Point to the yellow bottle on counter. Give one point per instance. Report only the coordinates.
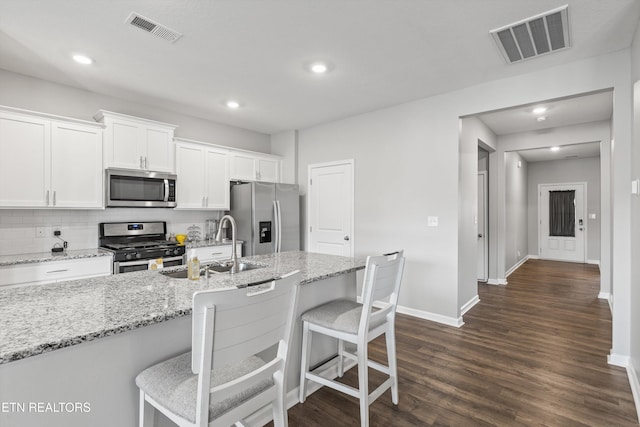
(193, 266)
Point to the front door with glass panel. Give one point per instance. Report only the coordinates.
(562, 222)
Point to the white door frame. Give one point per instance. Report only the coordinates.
(584, 213)
(485, 226)
(350, 162)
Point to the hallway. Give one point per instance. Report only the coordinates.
(533, 352)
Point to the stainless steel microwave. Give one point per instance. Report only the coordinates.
(140, 189)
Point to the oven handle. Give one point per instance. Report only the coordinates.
(144, 261)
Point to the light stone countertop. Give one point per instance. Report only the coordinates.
(35, 319)
(6, 260)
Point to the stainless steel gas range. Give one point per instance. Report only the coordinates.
(134, 244)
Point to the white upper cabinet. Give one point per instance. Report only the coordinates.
(247, 166)
(136, 143)
(49, 162)
(203, 176)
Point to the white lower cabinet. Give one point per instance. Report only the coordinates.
(55, 271)
(215, 253)
(203, 177)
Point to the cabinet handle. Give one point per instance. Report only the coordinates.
(54, 197)
(47, 198)
(216, 253)
(146, 166)
(203, 201)
(57, 271)
(141, 163)
(206, 201)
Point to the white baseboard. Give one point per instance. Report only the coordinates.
(594, 262)
(445, 320)
(635, 388)
(619, 360)
(604, 295)
(533, 257)
(466, 307)
(500, 282)
(516, 266)
(438, 318)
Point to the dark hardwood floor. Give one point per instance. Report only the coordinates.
(533, 352)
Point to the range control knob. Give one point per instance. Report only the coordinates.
(167, 252)
(128, 256)
(176, 251)
(138, 256)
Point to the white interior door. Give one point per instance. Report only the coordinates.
(483, 247)
(330, 214)
(562, 223)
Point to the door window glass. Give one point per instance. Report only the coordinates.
(562, 213)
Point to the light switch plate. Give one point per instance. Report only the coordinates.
(432, 221)
(592, 216)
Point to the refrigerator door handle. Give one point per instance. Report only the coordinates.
(276, 220)
(279, 230)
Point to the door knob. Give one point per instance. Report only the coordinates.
(479, 236)
(346, 237)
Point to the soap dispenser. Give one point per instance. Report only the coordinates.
(193, 266)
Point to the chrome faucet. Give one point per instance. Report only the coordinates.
(234, 255)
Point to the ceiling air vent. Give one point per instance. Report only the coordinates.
(153, 27)
(535, 36)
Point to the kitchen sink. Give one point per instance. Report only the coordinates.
(242, 266)
(215, 269)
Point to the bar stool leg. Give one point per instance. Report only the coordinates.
(340, 358)
(363, 383)
(390, 337)
(304, 368)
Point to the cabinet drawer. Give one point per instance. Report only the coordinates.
(55, 271)
(218, 253)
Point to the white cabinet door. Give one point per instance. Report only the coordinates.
(243, 167)
(122, 145)
(136, 143)
(253, 167)
(203, 177)
(216, 179)
(268, 169)
(25, 162)
(76, 166)
(190, 192)
(158, 149)
(207, 254)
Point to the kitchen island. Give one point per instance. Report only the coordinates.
(69, 351)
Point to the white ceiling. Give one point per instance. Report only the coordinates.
(384, 52)
(589, 149)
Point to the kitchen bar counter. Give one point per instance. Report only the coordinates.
(6, 260)
(35, 319)
(71, 350)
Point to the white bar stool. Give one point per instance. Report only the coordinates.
(359, 324)
(222, 380)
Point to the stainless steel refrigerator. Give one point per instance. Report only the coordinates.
(267, 217)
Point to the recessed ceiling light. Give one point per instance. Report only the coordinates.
(555, 148)
(319, 67)
(541, 118)
(539, 110)
(82, 59)
(232, 104)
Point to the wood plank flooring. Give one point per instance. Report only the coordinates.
(532, 353)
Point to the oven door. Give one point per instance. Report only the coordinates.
(143, 264)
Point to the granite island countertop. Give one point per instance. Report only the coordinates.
(36, 319)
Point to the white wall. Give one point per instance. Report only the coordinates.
(472, 133)
(285, 144)
(634, 318)
(17, 90)
(560, 171)
(407, 164)
(516, 236)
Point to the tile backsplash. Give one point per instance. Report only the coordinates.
(18, 227)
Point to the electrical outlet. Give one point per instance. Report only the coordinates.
(432, 221)
(57, 233)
